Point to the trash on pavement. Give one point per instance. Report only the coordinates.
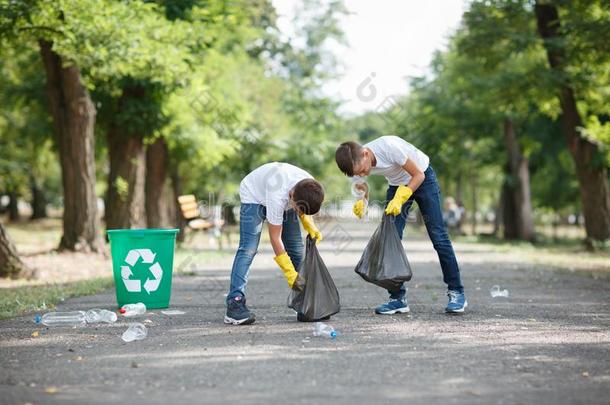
(133, 309)
(136, 331)
(71, 318)
(172, 312)
(100, 315)
(323, 330)
(496, 292)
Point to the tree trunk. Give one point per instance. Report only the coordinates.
(508, 211)
(13, 206)
(499, 215)
(179, 223)
(39, 201)
(125, 194)
(73, 121)
(592, 176)
(518, 189)
(10, 264)
(156, 176)
(459, 192)
(228, 215)
(473, 219)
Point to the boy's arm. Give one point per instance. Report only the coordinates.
(282, 259)
(403, 193)
(275, 235)
(417, 176)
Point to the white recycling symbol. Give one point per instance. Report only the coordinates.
(148, 257)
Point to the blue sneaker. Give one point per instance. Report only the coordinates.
(457, 302)
(393, 307)
(238, 313)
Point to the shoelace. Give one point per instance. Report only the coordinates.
(234, 304)
(453, 297)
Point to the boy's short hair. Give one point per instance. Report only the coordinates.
(348, 154)
(308, 195)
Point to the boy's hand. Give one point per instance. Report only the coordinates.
(403, 193)
(358, 208)
(311, 227)
(292, 277)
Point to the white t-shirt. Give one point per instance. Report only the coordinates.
(391, 153)
(269, 185)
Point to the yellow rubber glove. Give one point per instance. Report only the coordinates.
(403, 193)
(358, 208)
(311, 227)
(292, 277)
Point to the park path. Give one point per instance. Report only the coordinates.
(549, 342)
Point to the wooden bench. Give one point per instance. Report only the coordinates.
(195, 221)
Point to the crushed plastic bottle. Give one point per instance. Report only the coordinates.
(324, 330)
(100, 315)
(71, 318)
(172, 312)
(136, 331)
(133, 309)
(496, 292)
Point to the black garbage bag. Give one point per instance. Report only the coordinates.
(319, 298)
(384, 261)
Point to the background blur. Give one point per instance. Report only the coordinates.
(111, 110)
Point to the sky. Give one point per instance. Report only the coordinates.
(389, 40)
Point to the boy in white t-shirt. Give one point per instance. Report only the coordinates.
(410, 178)
(282, 194)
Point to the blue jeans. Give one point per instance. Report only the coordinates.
(251, 218)
(428, 198)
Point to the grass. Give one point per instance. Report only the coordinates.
(28, 299)
(568, 254)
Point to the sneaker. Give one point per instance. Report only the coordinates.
(238, 313)
(393, 307)
(301, 318)
(457, 302)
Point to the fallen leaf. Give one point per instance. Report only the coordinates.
(35, 333)
(51, 390)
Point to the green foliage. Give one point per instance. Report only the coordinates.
(495, 68)
(25, 127)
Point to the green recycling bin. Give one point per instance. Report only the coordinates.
(142, 262)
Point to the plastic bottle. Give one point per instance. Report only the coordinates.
(360, 195)
(71, 318)
(100, 315)
(136, 331)
(496, 292)
(133, 309)
(322, 329)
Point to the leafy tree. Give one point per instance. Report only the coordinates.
(587, 23)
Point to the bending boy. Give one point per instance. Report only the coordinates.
(410, 178)
(283, 194)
